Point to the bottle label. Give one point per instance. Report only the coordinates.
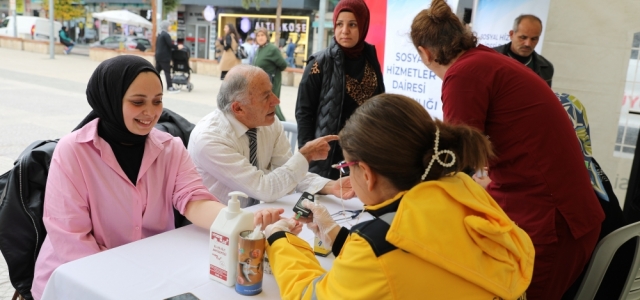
(219, 253)
(250, 264)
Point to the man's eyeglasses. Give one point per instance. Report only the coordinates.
(343, 166)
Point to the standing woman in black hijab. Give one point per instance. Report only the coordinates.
(336, 81)
(116, 179)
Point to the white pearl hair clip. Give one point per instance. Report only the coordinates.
(436, 156)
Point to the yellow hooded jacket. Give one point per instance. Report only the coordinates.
(448, 239)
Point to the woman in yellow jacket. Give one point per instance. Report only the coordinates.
(436, 234)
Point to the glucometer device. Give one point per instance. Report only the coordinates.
(299, 209)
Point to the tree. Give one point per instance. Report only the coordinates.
(169, 6)
(64, 10)
(247, 3)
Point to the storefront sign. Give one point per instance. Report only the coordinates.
(294, 27)
(20, 6)
(286, 26)
(146, 13)
(248, 23)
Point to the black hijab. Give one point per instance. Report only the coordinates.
(105, 93)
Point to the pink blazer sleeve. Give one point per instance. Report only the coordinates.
(188, 183)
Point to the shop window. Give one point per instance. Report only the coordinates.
(629, 123)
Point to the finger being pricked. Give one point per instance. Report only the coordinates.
(267, 216)
(297, 228)
(305, 220)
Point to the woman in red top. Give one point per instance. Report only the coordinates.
(538, 177)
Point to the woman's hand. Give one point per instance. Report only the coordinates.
(267, 216)
(288, 225)
(323, 224)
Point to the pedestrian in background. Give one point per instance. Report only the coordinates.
(269, 58)
(65, 40)
(336, 81)
(291, 53)
(164, 47)
(229, 44)
(249, 47)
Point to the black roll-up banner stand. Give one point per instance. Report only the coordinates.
(632, 199)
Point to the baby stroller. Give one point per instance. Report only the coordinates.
(180, 71)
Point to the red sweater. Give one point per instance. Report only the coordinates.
(539, 166)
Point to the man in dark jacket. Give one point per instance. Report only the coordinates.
(524, 38)
(164, 46)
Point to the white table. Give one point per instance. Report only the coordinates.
(166, 265)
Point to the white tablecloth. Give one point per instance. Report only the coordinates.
(166, 265)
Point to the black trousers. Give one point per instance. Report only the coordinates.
(166, 66)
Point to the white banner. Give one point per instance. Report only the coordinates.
(404, 73)
(494, 18)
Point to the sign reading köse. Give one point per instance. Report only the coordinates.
(285, 26)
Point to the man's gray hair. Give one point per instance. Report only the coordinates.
(164, 25)
(235, 86)
(519, 19)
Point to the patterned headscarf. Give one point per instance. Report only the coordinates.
(578, 116)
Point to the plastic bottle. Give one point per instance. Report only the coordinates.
(223, 240)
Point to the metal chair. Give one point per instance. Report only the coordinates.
(291, 131)
(601, 258)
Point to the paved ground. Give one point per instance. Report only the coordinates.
(41, 98)
(80, 50)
